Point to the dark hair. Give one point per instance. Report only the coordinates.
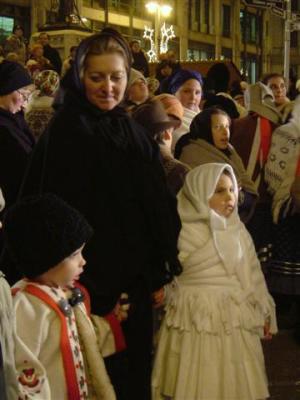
(201, 125)
(235, 88)
(72, 48)
(223, 103)
(217, 78)
(267, 77)
(200, 128)
(16, 27)
(161, 65)
(134, 41)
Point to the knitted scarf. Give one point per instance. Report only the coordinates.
(283, 162)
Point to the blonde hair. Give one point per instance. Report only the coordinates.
(35, 47)
(100, 46)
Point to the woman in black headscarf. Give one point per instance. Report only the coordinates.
(16, 140)
(208, 142)
(101, 162)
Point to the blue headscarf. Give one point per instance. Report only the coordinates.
(180, 77)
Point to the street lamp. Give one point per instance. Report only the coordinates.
(160, 10)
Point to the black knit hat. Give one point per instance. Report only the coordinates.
(41, 231)
(12, 77)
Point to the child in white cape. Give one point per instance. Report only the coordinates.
(219, 308)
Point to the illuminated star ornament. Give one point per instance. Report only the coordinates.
(166, 35)
(148, 34)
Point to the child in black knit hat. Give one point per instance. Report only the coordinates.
(45, 237)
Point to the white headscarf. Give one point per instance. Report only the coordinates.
(193, 206)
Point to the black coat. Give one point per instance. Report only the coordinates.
(16, 143)
(53, 56)
(120, 188)
(105, 166)
(140, 63)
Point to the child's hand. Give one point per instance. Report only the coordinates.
(122, 307)
(158, 297)
(267, 334)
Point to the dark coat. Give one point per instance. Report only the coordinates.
(104, 165)
(119, 187)
(140, 63)
(16, 143)
(53, 56)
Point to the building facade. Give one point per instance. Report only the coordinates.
(205, 29)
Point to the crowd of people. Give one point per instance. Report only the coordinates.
(136, 207)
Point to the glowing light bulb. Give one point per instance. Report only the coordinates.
(165, 10)
(152, 7)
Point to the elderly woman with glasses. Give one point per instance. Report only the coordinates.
(16, 141)
(102, 162)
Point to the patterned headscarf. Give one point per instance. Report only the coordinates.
(47, 82)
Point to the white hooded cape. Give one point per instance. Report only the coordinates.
(209, 345)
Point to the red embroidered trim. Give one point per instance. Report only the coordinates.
(117, 331)
(70, 373)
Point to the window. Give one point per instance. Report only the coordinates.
(226, 53)
(251, 65)
(206, 12)
(194, 19)
(197, 14)
(226, 16)
(251, 27)
(190, 14)
(6, 25)
(200, 51)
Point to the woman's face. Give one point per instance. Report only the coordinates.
(189, 94)
(135, 47)
(38, 51)
(15, 101)
(166, 71)
(278, 87)
(105, 80)
(220, 131)
(224, 199)
(138, 91)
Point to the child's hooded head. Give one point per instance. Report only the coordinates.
(195, 205)
(208, 187)
(41, 231)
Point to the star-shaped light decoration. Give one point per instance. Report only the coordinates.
(166, 35)
(148, 34)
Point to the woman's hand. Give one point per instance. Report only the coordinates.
(267, 334)
(122, 307)
(158, 297)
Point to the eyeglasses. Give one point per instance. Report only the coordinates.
(25, 95)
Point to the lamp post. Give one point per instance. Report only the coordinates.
(159, 10)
